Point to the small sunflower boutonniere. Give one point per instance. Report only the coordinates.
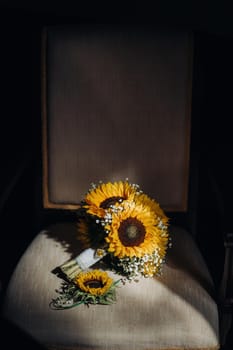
(89, 287)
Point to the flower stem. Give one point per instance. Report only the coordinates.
(71, 269)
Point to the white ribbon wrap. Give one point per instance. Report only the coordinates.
(89, 257)
(82, 262)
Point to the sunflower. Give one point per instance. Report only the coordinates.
(106, 195)
(90, 287)
(94, 282)
(134, 231)
(89, 232)
(83, 233)
(153, 206)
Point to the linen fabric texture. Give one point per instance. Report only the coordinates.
(174, 311)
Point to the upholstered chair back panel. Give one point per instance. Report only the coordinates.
(116, 105)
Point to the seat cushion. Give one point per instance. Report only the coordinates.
(173, 311)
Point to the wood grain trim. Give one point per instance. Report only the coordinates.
(46, 203)
(188, 110)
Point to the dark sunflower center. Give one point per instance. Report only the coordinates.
(110, 201)
(131, 232)
(94, 284)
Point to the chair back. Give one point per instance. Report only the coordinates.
(116, 104)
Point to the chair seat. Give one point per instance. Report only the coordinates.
(173, 311)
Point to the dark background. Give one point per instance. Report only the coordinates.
(21, 212)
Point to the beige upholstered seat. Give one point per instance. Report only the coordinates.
(174, 311)
(116, 105)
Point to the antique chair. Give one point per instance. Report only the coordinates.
(117, 104)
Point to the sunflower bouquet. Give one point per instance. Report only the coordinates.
(124, 228)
